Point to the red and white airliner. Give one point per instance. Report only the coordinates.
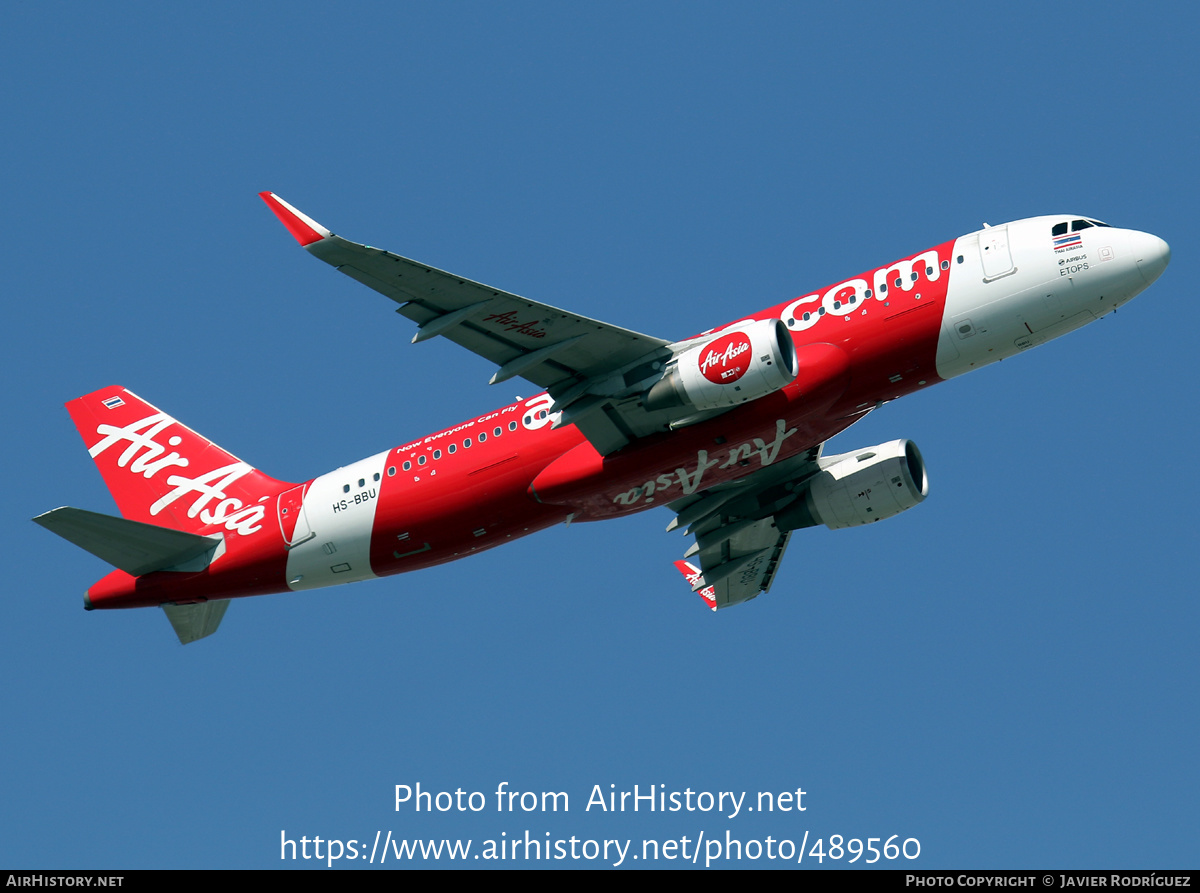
(725, 428)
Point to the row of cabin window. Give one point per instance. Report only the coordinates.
(453, 448)
(362, 482)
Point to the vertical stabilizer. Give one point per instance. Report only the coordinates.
(162, 472)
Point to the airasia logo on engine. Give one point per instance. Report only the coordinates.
(726, 359)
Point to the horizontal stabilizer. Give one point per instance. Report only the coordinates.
(132, 546)
(194, 622)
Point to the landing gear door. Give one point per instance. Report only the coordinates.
(995, 254)
(292, 520)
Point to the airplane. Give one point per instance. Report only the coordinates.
(726, 428)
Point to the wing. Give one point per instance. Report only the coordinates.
(595, 371)
(738, 542)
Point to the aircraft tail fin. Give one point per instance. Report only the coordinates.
(691, 573)
(163, 473)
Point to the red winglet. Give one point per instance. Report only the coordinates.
(304, 228)
(692, 574)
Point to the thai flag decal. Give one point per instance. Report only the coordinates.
(1067, 240)
(112, 402)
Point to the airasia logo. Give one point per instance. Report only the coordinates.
(720, 363)
(146, 456)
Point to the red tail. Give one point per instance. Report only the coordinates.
(161, 472)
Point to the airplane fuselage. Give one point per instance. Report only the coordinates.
(859, 343)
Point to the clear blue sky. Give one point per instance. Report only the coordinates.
(1007, 673)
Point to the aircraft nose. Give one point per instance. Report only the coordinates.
(1152, 255)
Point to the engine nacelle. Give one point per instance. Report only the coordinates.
(861, 487)
(730, 369)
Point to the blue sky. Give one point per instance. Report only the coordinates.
(1007, 673)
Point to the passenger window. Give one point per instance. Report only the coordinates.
(1060, 229)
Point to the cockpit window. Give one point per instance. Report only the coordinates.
(1077, 225)
(1097, 223)
(1060, 229)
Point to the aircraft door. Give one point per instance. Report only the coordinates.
(994, 253)
(292, 519)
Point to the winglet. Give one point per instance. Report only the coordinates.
(301, 226)
(692, 574)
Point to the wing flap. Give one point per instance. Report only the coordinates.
(738, 545)
(741, 566)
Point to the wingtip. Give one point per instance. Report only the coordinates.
(696, 579)
(303, 228)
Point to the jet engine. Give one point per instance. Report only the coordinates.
(861, 487)
(729, 369)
